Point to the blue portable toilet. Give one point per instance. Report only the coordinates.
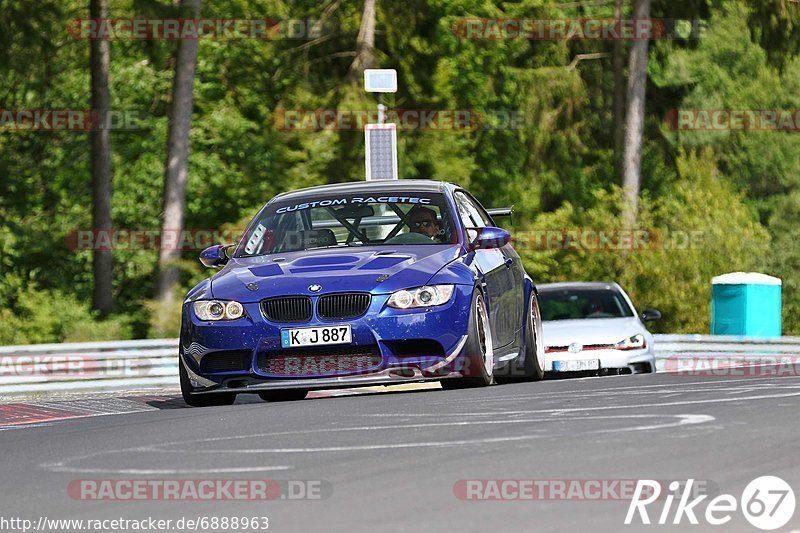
(746, 303)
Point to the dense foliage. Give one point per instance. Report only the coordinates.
(736, 193)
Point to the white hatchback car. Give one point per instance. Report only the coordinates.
(594, 327)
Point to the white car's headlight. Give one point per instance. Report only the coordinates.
(427, 296)
(636, 342)
(218, 310)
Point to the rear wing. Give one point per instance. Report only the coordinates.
(499, 212)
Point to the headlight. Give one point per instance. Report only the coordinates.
(636, 342)
(218, 310)
(427, 296)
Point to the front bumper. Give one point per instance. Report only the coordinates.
(385, 331)
(383, 377)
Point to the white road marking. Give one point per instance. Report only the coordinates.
(62, 465)
(611, 407)
(160, 448)
(26, 426)
(532, 416)
(366, 447)
(168, 471)
(635, 388)
(685, 420)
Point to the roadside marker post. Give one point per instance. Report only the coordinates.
(380, 139)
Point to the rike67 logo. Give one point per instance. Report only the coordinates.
(767, 502)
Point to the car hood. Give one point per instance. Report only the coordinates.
(379, 270)
(591, 331)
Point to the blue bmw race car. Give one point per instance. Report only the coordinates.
(367, 283)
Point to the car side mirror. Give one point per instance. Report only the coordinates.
(215, 256)
(650, 315)
(489, 238)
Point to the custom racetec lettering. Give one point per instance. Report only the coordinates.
(354, 200)
(309, 205)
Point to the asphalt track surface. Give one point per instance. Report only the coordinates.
(394, 461)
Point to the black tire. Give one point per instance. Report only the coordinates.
(201, 400)
(479, 353)
(529, 367)
(289, 395)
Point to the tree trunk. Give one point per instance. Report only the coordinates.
(618, 66)
(365, 45)
(100, 164)
(634, 127)
(180, 121)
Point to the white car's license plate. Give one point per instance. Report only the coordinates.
(316, 336)
(576, 366)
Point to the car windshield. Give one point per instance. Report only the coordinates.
(570, 304)
(385, 219)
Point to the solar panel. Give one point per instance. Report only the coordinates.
(380, 80)
(381, 151)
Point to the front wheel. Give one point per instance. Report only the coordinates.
(529, 366)
(201, 400)
(478, 363)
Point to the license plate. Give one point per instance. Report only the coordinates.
(576, 366)
(316, 336)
